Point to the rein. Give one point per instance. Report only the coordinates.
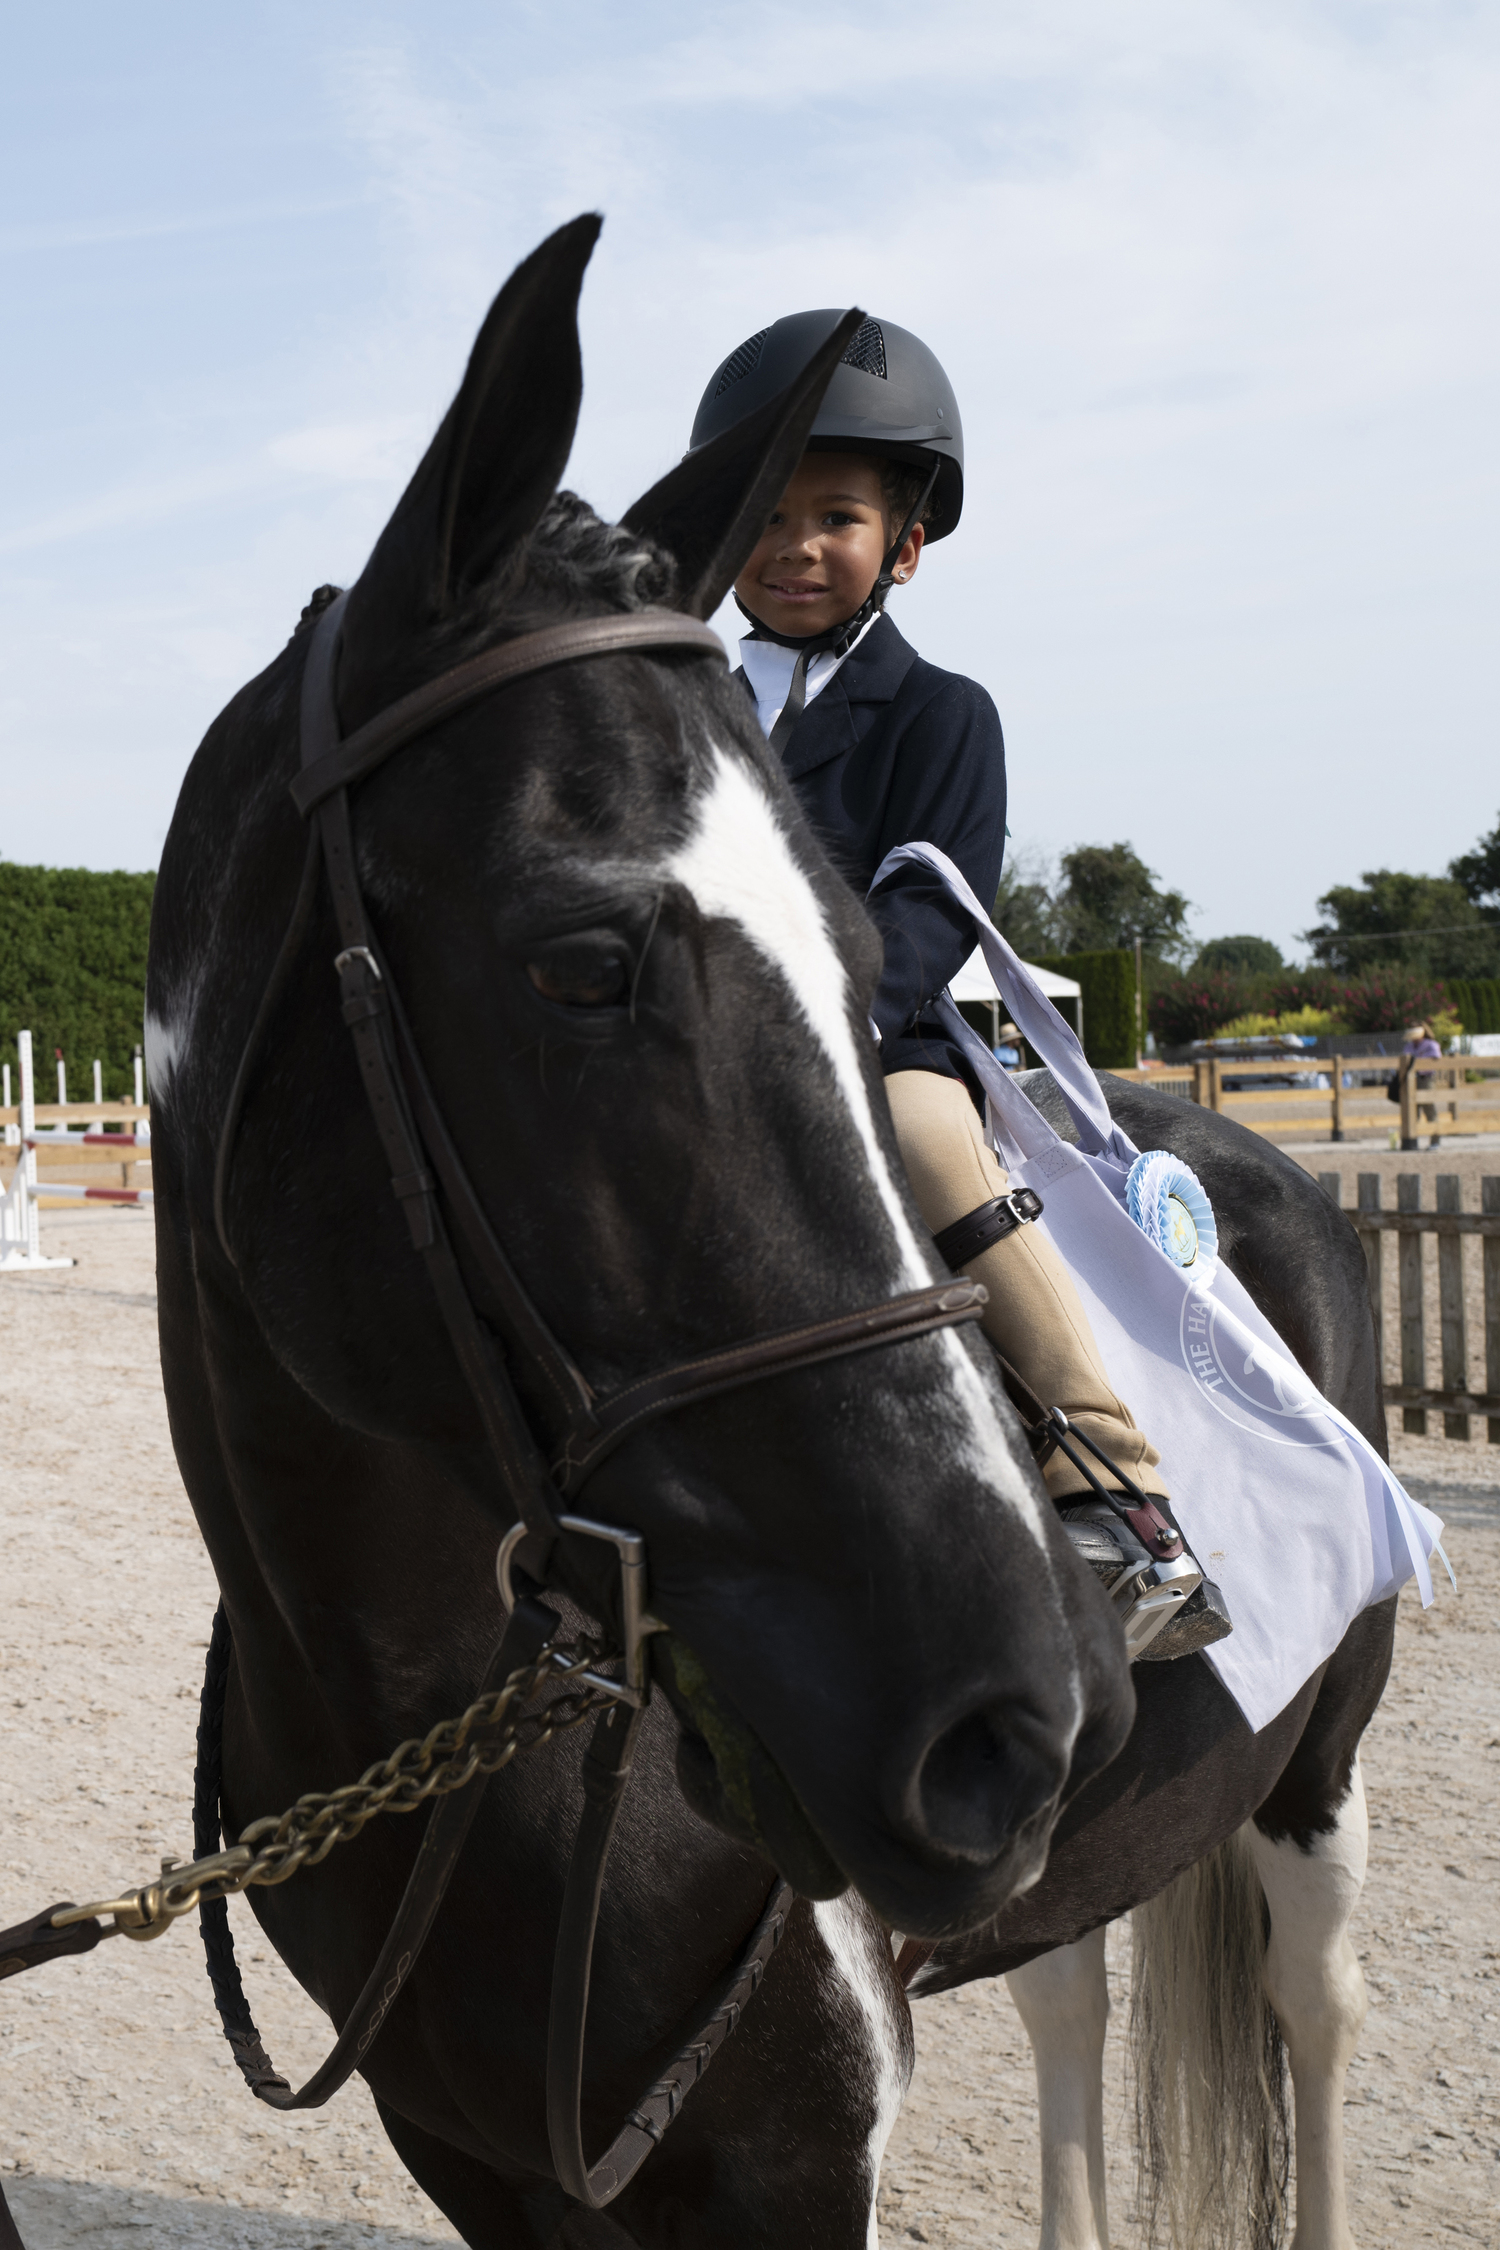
(536, 1473)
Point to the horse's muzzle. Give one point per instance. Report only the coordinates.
(984, 1789)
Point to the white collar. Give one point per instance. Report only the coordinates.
(769, 668)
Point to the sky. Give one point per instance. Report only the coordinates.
(1215, 281)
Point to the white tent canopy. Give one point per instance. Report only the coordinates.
(974, 983)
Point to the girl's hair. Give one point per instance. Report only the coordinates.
(901, 488)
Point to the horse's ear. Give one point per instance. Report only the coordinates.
(709, 511)
(498, 454)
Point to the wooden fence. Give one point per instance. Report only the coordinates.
(1457, 1098)
(1449, 1222)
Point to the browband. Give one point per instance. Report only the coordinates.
(399, 723)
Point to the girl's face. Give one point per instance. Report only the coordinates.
(821, 551)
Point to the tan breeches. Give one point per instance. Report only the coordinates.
(1035, 1317)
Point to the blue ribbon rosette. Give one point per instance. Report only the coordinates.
(1167, 1202)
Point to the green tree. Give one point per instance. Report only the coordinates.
(1023, 911)
(1479, 870)
(1429, 923)
(1108, 897)
(1242, 956)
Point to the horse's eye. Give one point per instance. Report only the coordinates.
(582, 976)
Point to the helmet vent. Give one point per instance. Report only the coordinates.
(740, 363)
(867, 349)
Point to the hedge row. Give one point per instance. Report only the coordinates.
(1108, 981)
(1476, 1002)
(1387, 998)
(73, 972)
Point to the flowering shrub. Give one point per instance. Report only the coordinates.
(1316, 988)
(1195, 1007)
(1310, 1001)
(1390, 998)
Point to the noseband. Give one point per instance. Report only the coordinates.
(427, 1177)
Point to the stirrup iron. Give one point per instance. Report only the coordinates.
(1147, 1594)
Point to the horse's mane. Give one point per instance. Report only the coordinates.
(574, 557)
(571, 563)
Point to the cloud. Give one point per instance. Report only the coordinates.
(115, 231)
(1208, 275)
(351, 452)
(136, 505)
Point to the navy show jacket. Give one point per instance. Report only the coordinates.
(895, 751)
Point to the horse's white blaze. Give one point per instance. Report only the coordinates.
(848, 1941)
(988, 1455)
(739, 866)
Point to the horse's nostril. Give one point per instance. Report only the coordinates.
(983, 1780)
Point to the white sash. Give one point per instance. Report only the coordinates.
(1282, 1500)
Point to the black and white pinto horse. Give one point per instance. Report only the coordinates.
(640, 990)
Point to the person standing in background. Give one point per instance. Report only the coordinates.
(1422, 1047)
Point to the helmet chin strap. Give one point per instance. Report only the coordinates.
(834, 640)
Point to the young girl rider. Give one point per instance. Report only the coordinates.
(882, 749)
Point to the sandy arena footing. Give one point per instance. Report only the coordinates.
(122, 2118)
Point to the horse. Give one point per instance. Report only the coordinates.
(639, 989)
(639, 992)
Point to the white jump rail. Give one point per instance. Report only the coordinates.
(58, 1136)
(20, 1229)
(20, 1234)
(90, 1195)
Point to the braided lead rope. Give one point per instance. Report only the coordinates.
(271, 1850)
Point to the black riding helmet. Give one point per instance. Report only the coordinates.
(889, 397)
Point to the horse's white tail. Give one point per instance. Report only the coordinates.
(1212, 2143)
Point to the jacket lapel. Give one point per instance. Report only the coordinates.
(835, 720)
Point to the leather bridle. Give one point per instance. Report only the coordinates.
(582, 1430)
(427, 1176)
